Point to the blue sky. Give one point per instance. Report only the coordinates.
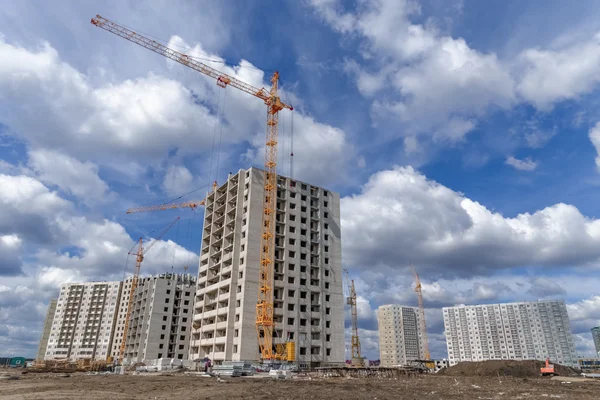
(461, 136)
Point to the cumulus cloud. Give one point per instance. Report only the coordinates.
(74, 177)
(523, 165)
(400, 216)
(594, 135)
(544, 287)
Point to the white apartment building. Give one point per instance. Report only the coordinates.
(161, 318)
(510, 331)
(308, 297)
(83, 321)
(400, 336)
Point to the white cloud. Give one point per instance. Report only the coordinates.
(594, 135)
(523, 165)
(553, 75)
(401, 217)
(72, 176)
(177, 180)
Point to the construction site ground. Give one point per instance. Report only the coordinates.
(180, 386)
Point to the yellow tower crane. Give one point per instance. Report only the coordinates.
(356, 360)
(264, 306)
(423, 325)
(134, 282)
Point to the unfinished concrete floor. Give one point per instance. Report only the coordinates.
(179, 386)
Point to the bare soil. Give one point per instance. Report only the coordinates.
(180, 386)
(520, 369)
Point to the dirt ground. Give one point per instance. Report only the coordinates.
(179, 386)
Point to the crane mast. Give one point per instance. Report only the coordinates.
(423, 325)
(134, 282)
(356, 358)
(264, 306)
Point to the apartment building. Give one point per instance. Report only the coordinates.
(46, 330)
(82, 326)
(308, 298)
(596, 338)
(161, 318)
(400, 336)
(510, 331)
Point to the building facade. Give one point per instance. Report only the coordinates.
(83, 322)
(510, 331)
(596, 338)
(308, 297)
(400, 336)
(46, 330)
(161, 318)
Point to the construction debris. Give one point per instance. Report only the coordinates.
(521, 369)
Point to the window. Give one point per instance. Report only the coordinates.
(290, 321)
(292, 229)
(183, 319)
(164, 327)
(303, 232)
(181, 337)
(242, 247)
(183, 329)
(328, 352)
(180, 356)
(303, 256)
(168, 291)
(241, 260)
(326, 237)
(292, 217)
(291, 293)
(302, 308)
(302, 351)
(187, 293)
(303, 268)
(186, 302)
(303, 197)
(241, 274)
(244, 222)
(290, 307)
(326, 272)
(327, 324)
(159, 355)
(291, 280)
(328, 311)
(166, 300)
(302, 322)
(303, 220)
(292, 206)
(237, 317)
(293, 194)
(243, 234)
(291, 267)
(236, 333)
(326, 226)
(327, 297)
(326, 248)
(325, 193)
(292, 242)
(235, 348)
(292, 254)
(303, 244)
(164, 317)
(303, 209)
(328, 338)
(326, 285)
(302, 295)
(325, 204)
(238, 303)
(326, 260)
(181, 347)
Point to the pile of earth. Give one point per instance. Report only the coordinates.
(521, 369)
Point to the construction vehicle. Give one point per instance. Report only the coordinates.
(264, 307)
(134, 282)
(548, 370)
(356, 359)
(423, 326)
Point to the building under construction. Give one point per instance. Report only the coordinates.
(308, 303)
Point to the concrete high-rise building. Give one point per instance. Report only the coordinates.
(596, 338)
(400, 336)
(82, 327)
(161, 318)
(47, 330)
(510, 331)
(308, 297)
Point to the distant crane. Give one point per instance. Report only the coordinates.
(264, 307)
(423, 327)
(356, 359)
(134, 281)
